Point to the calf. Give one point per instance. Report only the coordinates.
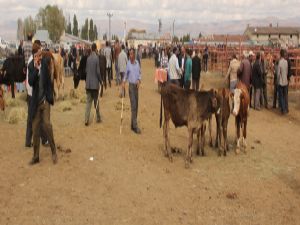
(186, 108)
(59, 73)
(240, 111)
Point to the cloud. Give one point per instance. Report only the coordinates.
(202, 11)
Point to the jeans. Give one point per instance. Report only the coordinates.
(282, 95)
(118, 78)
(257, 93)
(187, 84)
(92, 95)
(233, 85)
(42, 118)
(134, 102)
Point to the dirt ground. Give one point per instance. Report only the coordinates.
(129, 181)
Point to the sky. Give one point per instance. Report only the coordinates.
(149, 11)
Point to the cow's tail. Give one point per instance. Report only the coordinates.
(161, 104)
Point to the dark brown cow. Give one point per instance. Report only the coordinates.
(222, 120)
(186, 108)
(240, 111)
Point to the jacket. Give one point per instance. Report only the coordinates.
(122, 61)
(93, 77)
(233, 70)
(34, 76)
(245, 72)
(196, 69)
(188, 69)
(257, 75)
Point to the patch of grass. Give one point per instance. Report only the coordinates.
(16, 115)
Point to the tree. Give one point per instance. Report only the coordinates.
(53, 20)
(185, 38)
(95, 32)
(91, 31)
(175, 39)
(20, 31)
(29, 26)
(69, 28)
(75, 26)
(84, 30)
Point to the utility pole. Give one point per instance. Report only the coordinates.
(109, 25)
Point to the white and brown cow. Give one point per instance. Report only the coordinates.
(240, 111)
(59, 74)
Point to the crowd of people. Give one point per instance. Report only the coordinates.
(253, 71)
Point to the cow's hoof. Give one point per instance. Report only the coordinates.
(219, 154)
(225, 153)
(187, 164)
(171, 159)
(237, 151)
(198, 152)
(203, 154)
(191, 160)
(211, 144)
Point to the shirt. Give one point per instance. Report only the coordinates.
(174, 68)
(188, 69)
(282, 72)
(233, 70)
(27, 51)
(133, 72)
(107, 53)
(28, 87)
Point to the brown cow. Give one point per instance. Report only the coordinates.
(240, 111)
(222, 120)
(59, 74)
(186, 108)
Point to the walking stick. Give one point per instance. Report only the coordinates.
(122, 112)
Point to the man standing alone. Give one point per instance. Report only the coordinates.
(283, 82)
(133, 75)
(93, 78)
(196, 70)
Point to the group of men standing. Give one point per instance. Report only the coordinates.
(183, 69)
(253, 71)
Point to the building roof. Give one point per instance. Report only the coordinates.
(69, 38)
(272, 30)
(224, 38)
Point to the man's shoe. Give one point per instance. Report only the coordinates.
(99, 120)
(137, 130)
(86, 124)
(34, 161)
(29, 145)
(54, 158)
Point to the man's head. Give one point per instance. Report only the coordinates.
(183, 50)
(234, 56)
(29, 36)
(123, 47)
(21, 43)
(197, 52)
(132, 55)
(251, 54)
(174, 50)
(35, 48)
(94, 47)
(282, 53)
(258, 56)
(262, 55)
(107, 43)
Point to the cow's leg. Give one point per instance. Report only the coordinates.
(238, 135)
(217, 131)
(203, 129)
(12, 85)
(188, 159)
(210, 132)
(225, 137)
(63, 87)
(245, 135)
(167, 141)
(198, 141)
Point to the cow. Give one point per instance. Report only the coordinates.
(59, 73)
(222, 117)
(13, 70)
(80, 72)
(2, 102)
(241, 101)
(186, 108)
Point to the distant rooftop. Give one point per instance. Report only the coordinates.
(275, 30)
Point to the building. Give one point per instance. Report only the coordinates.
(140, 37)
(273, 35)
(222, 39)
(68, 40)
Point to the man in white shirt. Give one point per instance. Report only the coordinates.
(282, 80)
(108, 56)
(174, 70)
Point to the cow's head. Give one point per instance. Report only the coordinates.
(215, 104)
(238, 99)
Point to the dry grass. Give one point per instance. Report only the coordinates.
(16, 115)
(65, 106)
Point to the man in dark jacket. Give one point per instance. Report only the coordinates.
(93, 80)
(42, 97)
(264, 95)
(196, 71)
(257, 81)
